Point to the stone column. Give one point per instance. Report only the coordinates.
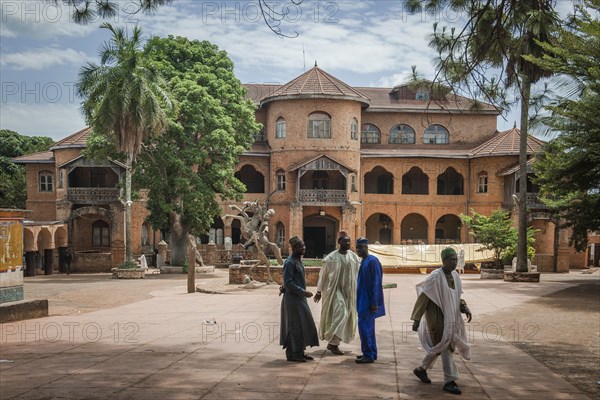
(296, 221)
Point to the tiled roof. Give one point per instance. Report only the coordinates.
(506, 143)
(77, 140)
(315, 83)
(41, 157)
(382, 99)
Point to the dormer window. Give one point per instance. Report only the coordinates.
(422, 94)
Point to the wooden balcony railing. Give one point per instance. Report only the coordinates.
(322, 196)
(96, 195)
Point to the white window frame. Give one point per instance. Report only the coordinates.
(354, 129)
(436, 134)
(280, 180)
(400, 134)
(369, 135)
(280, 128)
(319, 126)
(482, 183)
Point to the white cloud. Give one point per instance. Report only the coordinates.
(56, 120)
(40, 19)
(42, 58)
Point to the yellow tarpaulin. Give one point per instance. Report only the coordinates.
(426, 255)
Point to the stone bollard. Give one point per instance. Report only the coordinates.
(161, 257)
(211, 253)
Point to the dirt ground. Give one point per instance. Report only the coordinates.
(560, 330)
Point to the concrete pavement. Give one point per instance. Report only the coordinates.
(226, 346)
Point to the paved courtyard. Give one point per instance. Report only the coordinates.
(167, 344)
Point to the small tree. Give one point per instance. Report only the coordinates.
(495, 232)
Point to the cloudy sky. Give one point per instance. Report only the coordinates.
(363, 43)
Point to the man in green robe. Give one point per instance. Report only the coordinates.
(439, 303)
(298, 328)
(337, 288)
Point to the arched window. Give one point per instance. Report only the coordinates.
(280, 180)
(415, 181)
(319, 125)
(402, 134)
(482, 182)
(280, 234)
(254, 180)
(46, 181)
(436, 134)
(280, 128)
(369, 133)
(450, 182)
(354, 129)
(100, 234)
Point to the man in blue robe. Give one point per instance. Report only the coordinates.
(369, 301)
(298, 328)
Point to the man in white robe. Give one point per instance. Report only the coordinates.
(439, 303)
(337, 288)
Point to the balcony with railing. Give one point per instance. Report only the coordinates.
(533, 202)
(94, 195)
(322, 196)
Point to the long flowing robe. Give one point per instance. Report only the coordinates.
(438, 304)
(369, 292)
(298, 328)
(337, 284)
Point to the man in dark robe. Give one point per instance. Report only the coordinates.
(369, 301)
(298, 328)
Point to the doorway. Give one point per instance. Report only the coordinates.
(315, 238)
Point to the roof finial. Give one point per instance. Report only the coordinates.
(315, 63)
(515, 125)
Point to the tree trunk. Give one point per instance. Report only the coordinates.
(191, 251)
(178, 239)
(555, 244)
(128, 249)
(522, 226)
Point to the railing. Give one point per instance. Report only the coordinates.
(98, 195)
(533, 201)
(322, 196)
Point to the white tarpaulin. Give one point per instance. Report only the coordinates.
(425, 255)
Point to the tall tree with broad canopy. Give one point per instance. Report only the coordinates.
(126, 98)
(495, 38)
(569, 169)
(195, 159)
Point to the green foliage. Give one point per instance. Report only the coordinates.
(89, 11)
(128, 265)
(496, 233)
(13, 187)
(569, 170)
(125, 99)
(212, 126)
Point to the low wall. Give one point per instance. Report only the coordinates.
(237, 272)
(91, 262)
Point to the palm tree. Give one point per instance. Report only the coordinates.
(125, 98)
(496, 36)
